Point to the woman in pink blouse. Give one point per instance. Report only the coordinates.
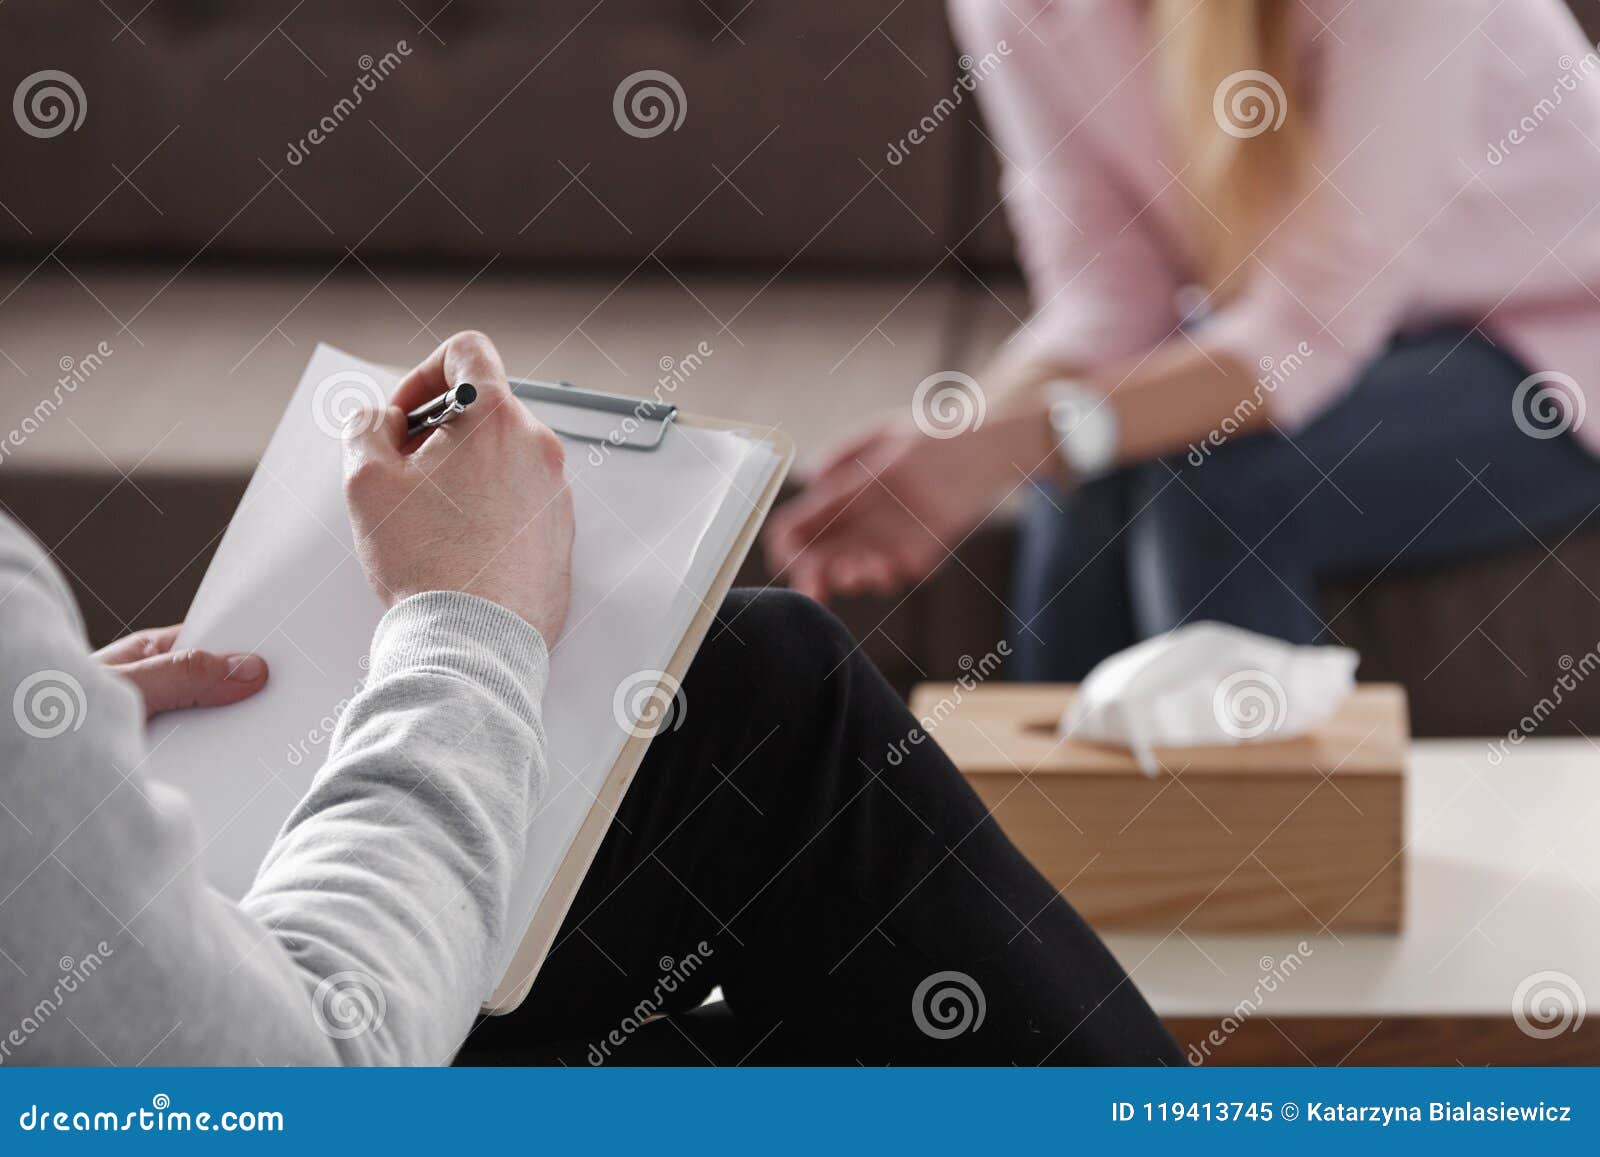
(1316, 291)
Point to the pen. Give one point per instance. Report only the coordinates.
(447, 405)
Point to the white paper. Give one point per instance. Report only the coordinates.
(652, 531)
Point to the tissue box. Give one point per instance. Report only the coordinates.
(1305, 833)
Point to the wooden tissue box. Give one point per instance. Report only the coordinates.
(1305, 833)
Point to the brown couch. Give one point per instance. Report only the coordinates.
(193, 225)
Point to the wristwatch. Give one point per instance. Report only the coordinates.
(1085, 427)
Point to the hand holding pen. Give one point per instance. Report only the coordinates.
(441, 409)
(482, 507)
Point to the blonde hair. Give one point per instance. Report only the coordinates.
(1231, 89)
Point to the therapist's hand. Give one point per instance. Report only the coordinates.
(479, 504)
(169, 680)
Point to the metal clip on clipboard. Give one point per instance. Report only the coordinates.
(643, 412)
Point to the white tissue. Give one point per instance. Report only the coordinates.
(1205, 684)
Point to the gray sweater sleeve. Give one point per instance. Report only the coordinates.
(372, 929)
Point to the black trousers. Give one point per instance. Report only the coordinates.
(854, 907)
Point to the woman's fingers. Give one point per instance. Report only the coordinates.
(878, 574)
(855, 555)
(845, 454)
(845, 573)
(807, 521)
(848, 483)
(190, 678)
(808, 577)
(843, 541)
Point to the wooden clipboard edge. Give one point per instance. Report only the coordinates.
(552, 911)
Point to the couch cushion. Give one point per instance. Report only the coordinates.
(492, 131)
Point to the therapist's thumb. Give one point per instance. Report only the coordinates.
(191, 678)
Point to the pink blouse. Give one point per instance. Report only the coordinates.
(1456, 146)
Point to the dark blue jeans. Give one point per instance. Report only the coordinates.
(1422, 462)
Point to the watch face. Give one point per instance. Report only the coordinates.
(1085, 428)
(1067, 416)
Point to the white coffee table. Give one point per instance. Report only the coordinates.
(1502, 919)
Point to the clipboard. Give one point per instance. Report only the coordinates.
(539, 938)
(640, 411)
(317, 632)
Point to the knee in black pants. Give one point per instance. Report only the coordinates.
(770, 655)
